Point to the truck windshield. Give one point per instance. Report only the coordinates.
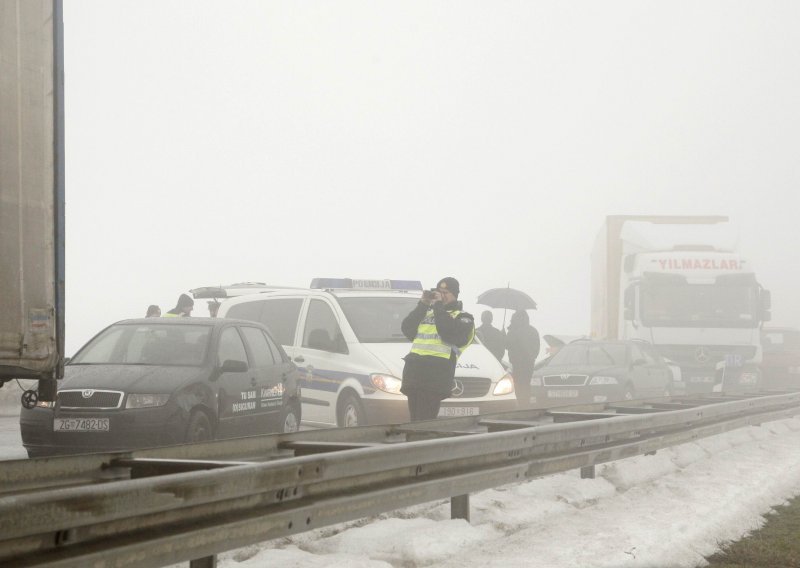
(130, 344)
(377, 320)
(699, 305)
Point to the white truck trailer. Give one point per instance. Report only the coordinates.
(678, 283)
(31, 194)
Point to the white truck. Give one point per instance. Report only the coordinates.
(32, 195)
(678, 283)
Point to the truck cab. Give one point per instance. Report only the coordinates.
(683, 287)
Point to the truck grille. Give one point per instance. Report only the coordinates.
(471, 387)
(89, 399)
(705, 355)
(565, 380)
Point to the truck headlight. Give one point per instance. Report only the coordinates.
(386, 383)
(794, 370)
(45, 404)
(600, 380)
(536, 381)
(504, 386)
(146, 400)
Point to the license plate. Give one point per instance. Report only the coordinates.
(449, 411)
(80, 425)
(704, 379)
(566, 393)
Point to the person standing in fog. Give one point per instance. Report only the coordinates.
(153, 311)
(440, 332)
(183, 309)
(522, 341)
(491, 337)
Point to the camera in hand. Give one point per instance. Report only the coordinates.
(428, 294)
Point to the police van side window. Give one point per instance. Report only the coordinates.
(276, 351)
(280, 315)
(259, 348)
(250, 311)
(322, 330)
(231, 346)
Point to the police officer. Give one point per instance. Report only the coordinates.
(440, 332)
(183, 309)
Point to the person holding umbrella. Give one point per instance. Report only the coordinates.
(440, 332)
(522, 341)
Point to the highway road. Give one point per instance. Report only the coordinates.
(10, 441)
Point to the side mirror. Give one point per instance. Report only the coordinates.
(638, 362)
(765, 305)
(630, 304)
(233, 366)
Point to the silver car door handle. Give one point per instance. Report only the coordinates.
(299, 359)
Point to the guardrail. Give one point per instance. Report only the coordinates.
(158, 507)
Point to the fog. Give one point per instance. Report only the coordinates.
(217, 142)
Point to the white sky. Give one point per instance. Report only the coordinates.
(219, 142)
(671, 509)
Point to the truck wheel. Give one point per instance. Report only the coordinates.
(351, 412)
(290, 418)
(199, 429)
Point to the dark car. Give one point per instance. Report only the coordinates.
(586, 371)
(780, 366)
(162, 381)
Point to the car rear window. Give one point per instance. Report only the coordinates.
(377, 320)
(599, 354)
(131, 344)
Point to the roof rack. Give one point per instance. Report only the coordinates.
(364, 284)
(238, 289)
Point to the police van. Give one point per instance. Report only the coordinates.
(345, 337)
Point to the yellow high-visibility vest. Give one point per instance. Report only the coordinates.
(430, 344)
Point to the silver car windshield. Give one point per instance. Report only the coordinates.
(377, 320)
(143, 344)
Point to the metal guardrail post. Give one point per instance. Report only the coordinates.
(459, 507)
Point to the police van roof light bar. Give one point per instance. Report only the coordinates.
(362, 284)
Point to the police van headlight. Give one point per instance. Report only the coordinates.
(146, 400)
(386, 383)
(504, 386)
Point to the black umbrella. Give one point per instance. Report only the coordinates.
(507, 298)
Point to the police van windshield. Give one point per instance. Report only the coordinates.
(377, 320)
(130, 344)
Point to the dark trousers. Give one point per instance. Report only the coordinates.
(522, 386)
(423, 404)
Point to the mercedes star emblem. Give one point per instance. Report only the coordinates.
(701, 355)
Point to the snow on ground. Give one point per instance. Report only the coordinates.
(670, 509)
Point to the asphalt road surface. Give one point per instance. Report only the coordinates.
(10, 441)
